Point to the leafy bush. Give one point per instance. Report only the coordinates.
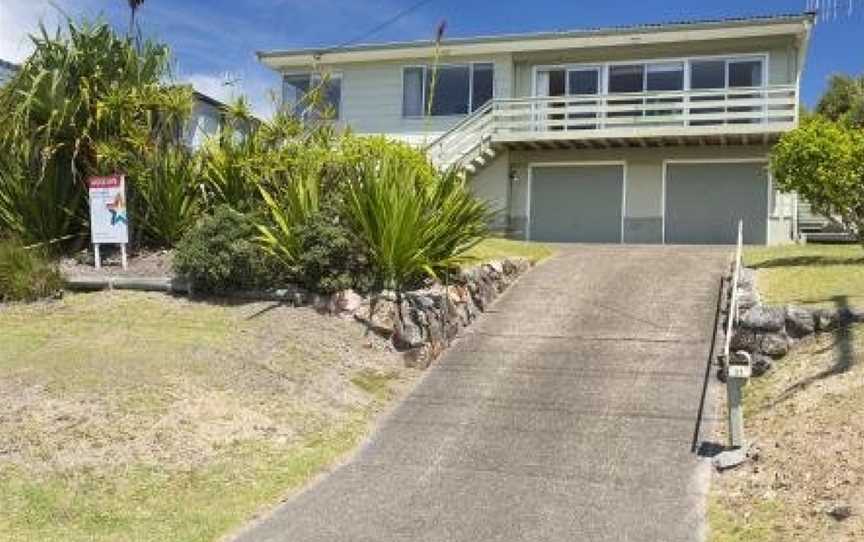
(330, 257)
(219, 254)
(26, 275)
(823, 162)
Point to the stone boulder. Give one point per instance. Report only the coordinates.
(346, 303)
(799, 322)
(379, 314)
(761, 364)
(775, 345)
(762, 318)
(744, 339)
(407, 334)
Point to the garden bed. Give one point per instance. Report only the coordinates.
(143, 263)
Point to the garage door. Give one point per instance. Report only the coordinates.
(577, 203)
(705, 201)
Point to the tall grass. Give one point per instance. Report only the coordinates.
(26, 274)
(168, 196)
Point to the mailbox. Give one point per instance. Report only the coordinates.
(739, 365)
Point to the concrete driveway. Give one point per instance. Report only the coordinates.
(565, 414)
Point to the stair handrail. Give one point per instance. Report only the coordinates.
(463, 125)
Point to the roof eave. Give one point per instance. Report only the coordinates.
(782, 25)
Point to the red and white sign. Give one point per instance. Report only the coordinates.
(109, 220)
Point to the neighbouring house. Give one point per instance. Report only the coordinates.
(7, 70)
(644, 134)
(207, 119)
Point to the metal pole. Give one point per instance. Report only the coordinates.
(737, 372)
(96, 256)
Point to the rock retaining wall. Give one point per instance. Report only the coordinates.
(423, 322)
(420, 323)
(768, 332)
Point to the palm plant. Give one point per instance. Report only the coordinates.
(82, 92)
(134, 6)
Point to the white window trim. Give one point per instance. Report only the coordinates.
(313, 75)
(426, 68)
(762, 56)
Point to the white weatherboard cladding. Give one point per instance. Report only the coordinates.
(372, 97)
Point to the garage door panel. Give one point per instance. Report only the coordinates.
(577, 204)
(705, 201)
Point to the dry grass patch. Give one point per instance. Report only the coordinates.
(131, 416)
(805, 418)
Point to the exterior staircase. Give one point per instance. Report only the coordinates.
(468, 145)
(817, 228)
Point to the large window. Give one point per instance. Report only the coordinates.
(657, 76)
(627, 78)
(458, 88)
(311, 95)
(731, 73)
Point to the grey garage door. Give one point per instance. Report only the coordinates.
(705, 201)
(577, 203)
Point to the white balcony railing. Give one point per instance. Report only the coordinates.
(648, 114)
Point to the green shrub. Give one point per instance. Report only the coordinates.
(413, 224)
(219, 254)
(296, 201)
(26, 275)
(330, 257)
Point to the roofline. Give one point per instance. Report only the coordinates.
(9, 65)
(407, 49)
(208, 99)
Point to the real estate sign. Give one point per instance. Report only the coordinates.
(109, 221)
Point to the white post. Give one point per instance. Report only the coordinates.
(737, 371)
(736, 411)
(123, 258)
(96, 256)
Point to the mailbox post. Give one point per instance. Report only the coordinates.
(738, 371)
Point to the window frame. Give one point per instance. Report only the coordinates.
(315, 78)
(426, 70)
(761, 56)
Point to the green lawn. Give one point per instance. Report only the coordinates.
(497, 248)
(132, 416)
(816, 275)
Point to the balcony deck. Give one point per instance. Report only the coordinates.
(739, 116)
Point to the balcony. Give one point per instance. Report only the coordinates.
(692, 117)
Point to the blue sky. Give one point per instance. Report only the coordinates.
(215, 40)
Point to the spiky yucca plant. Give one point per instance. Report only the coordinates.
(413, 226)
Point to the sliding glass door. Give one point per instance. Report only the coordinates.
(579, 90)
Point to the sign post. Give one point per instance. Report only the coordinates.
(109, 220)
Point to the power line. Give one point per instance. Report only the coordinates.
(404, 13)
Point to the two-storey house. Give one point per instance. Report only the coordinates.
(643, 134)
